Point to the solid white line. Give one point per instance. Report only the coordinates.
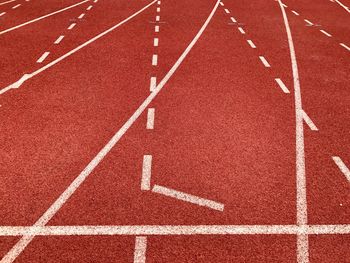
(264, 61)
(156, 29)
(58, 40)
(14, 7)
(341, 165)
(345, 46)
(62, 199)
(155, 42)
(81, 16)
(309, 22)
(233, 19)
(1, 14)
(326, 33)
(343, 6)
(282, 85)
(158, 9)
(140, 250)
(150, 119)
(251, 44)
(146, 173)
(42, 17)
(71, 26)
(89, 7)
(154, 60)
(43, 57)
(149, 230)
(4, 3)
(157, 18)
(241, 30)
(295, 13)
(227, 11)
(187, 197)
(18, 83)
(302, 241)
(153, 84)
(309, 122)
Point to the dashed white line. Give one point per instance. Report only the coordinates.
(264, 61)
(343, 6)
(158, 9)
(6, 2)
(295, 12)
(89, 7)
(140, 250)
(58, 40)
(153, 84)
(3, 13)
(157, 18)
(95, 1)
(156, 29)
(81, 16)
(150, 119)
(227, 11)
(284, 5)
(146, 173)
(342, 167)
(159, 2)
(71, 26)
(251, 44)
(187, 197)
(241, 30)
(309, 122)
(154, 60)
(155, 42)
(326, 33)
(345, 46)
(221, 3)
(233, 19)
(309, 22)
(14, 7)
(43, 57)
(282, 85)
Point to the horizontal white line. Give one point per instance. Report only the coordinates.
(309, 122)
(155, 60)
(156, 29)
(233, 19)
(153, 84)
(81, 16)
(227, 11)
(147, 230)
(155, 42)
(71, 26)
(251, 44)
(187, 197)
(345, 46)
(309, 22)
(295, 13)
(282, 85)
(326, 33)
(241, 30)
(341, 165)
(221, 3)
(4, 3)
(89, 7)
(157, 18)
(58, 40)
(146, 173)
(14, 7)
(140, 249)
(264, 61)
(150, 119)
(1, 14)
(43, 57)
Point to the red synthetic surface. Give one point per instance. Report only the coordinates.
(224, 130)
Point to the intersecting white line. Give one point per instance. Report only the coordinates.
(140, 249)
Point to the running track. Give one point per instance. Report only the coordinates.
(174, 131)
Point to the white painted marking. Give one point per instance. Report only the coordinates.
(295, 12)
(156, 29)
(16, 84)
(89, 7)
(227, 11)
(233, 19)
(241, 30)
(221, 3)
(95, 1)
(264, 61)
(3, 13)
(157, 18)
(43, 57)
(155, 42)
(345, 46)
(341, 165)
(309, 122)
(18, 248)
(6, 2)
(146, 173)
(284, 5)
(41, 17)
(81, 16)
(159, 2)
(150, 119)
(71, 26)
(158, 9)
(343, 6)
(282, 85)
(153, 84)
(140, 250)
(188, 197)
(14, 7)
(251, 44)
(309, 22)
(326, 33)
(155, 60)
(302, 240)
(58, 40)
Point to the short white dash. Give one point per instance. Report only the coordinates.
(284, 5)
(95, 1)
(43, 56)
(157, 18)
(150, 119)
(146, 173)
(295, 12)
(264, 61)
(341, 165)
(14, 7)
(156, 29)
(221, 3)
(326, 33)
(81, 16)
(241, 30)
(89, 7)
(282, 85)
(71, 26)
(227, 11)
(153, 84)
(158, 9)
(1, 14)
(59, 39)
(155, 60)
(345, 46)
(155, 42)
(309, 22)
(309, 122)
(233, 19)
(251, 44)
(159, 2)
(188, 197)
(140, 250)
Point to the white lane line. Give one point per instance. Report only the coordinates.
(14, 7)
(187, 197)
(71, 26)
(227, 11)
(154, 60)
(309, 22)
(343, 6)
(221, 3)
(3, 13)
(155, 42)
(89, 7)
(326, 33)
(58, 40)
(81, 16)
(95, 1)
(150, 119)
(6, 2)
(18, 248)
(342, 167)
(43, 57)
(241, 30)
(345, 46)
(157, 18)
(301, 202)
(264, 61)
(159, 2)
(42, 17)
(295, 12)
(282, 85)
(149, 230)
(309, 122)
(156, 29)
(284, 5)
(233, 19)
(153, 84)
(251, 44)
(158, 9)
(146, 173)
(140, 250)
